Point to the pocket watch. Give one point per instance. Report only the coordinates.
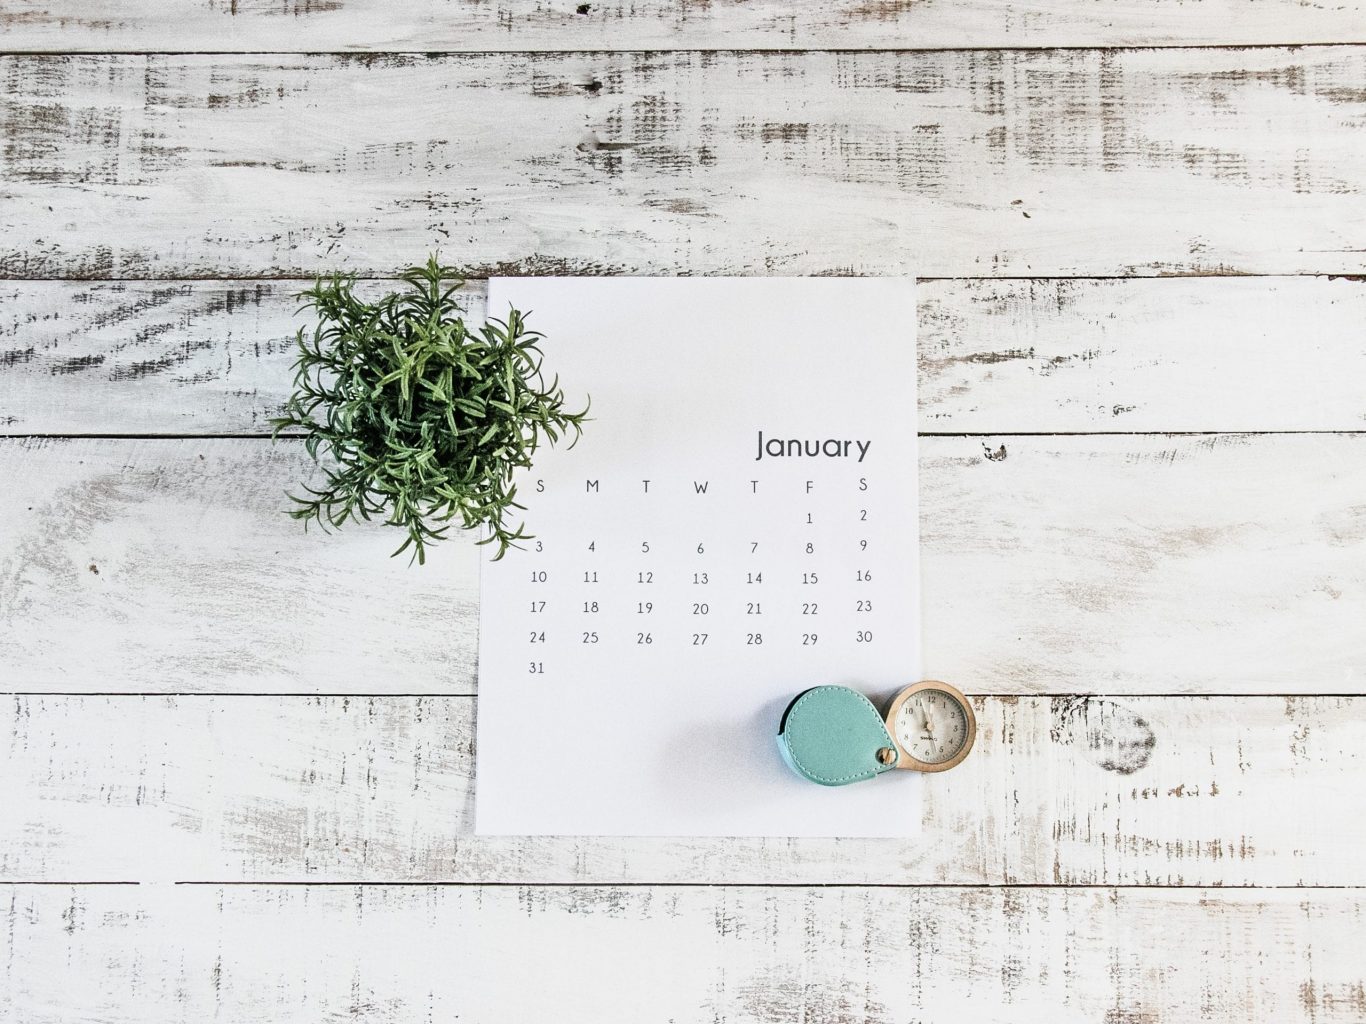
(932, 725)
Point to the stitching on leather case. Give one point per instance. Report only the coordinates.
(795, 760)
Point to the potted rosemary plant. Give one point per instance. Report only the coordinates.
(414, 416)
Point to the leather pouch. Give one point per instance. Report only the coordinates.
(833, 735)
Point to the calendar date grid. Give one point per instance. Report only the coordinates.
(739, 587)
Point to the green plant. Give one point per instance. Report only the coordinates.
(413, 415)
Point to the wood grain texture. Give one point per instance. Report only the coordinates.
(178, 194)
(171, 566)
(145, 356)
(1079, 564)
(1134, 354)
(1151, 791)
(955, 163)
(469, 25)
(1139, 354)
(846, 956)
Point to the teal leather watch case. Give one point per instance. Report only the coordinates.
(834, 736)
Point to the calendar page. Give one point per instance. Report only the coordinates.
(738, 523)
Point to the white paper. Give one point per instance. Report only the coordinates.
(623, 721)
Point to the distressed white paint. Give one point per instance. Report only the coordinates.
(955, 163)
(1058, 791)
(177, 357)
(1106, 563)
(872, 956)
(1142, 564)
(1210, 353)
(471, 25)
(170, 565)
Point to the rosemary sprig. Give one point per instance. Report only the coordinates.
(414, 416)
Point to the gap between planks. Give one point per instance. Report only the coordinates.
(517, 26)
(362, 56)
(851, 886)
(472, 695)
(365, 279)
(676, 51)
(1006, 434)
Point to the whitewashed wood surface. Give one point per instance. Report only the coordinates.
(1144, 504)
(1126, 563)
(1070, 791)
(549, 25)
(996, 356)
(662, 953)
(950, 163)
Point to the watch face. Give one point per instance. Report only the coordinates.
(932, 726)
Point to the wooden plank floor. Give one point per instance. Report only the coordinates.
(228, 791)
(537, 26)
(1071, 791)
(953, 163)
